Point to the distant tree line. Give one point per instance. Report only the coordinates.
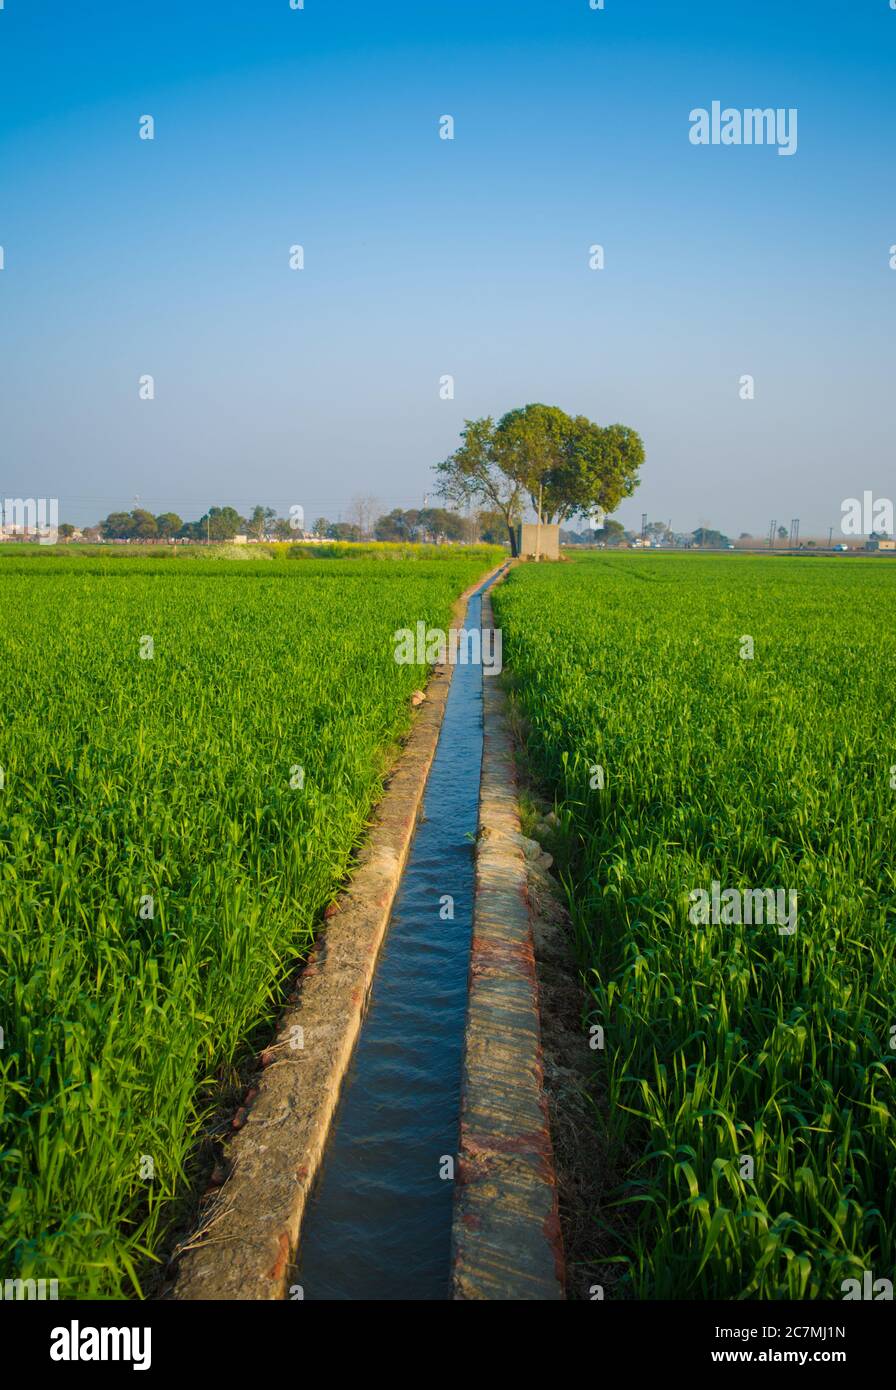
(217, 524)
(428, 524)
(613, 533)
(433, 525)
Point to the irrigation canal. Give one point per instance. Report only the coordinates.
(378, 1225)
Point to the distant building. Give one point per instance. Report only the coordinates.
(880, 543)
(548, 544)
(241, 540)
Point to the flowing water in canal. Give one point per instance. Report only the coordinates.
(379, 1222)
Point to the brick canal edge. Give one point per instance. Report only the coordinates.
(506, 1240)
(249, 1232)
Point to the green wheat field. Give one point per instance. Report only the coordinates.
(725, 1042)
(191, 750)
(227, 777)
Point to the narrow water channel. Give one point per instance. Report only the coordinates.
(379, 1222)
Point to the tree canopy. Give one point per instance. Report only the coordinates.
(564, 465)
(476, 472)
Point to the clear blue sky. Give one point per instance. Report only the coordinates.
(423, 257)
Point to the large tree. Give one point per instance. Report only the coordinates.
(475, 473)
(564, 465)
(532, 446)
(600, 467)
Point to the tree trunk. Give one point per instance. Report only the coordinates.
(511, 531)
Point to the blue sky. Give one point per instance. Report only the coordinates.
(274, 126)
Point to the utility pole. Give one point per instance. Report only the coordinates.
(538, 522)
(830, 538)
(794, 533)
(771, 535)
(643, 526)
